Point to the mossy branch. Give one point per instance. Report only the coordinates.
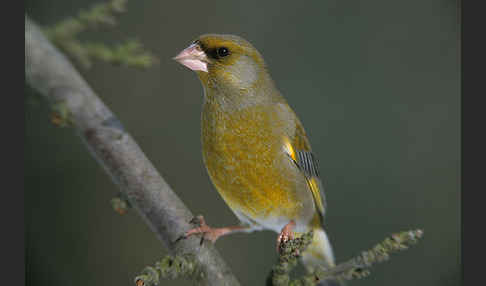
(129, 53)
(289, 253)
(120, 203)
(76, 105)
(355, 268)
(170, 267)
(358, 267)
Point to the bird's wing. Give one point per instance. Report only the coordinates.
(307, 163)
(299, 150)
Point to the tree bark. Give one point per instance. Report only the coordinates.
(50, 73)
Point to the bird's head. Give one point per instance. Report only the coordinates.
(225, 62)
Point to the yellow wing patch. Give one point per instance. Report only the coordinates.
(306, 162)
(316, 193)
(289, 149)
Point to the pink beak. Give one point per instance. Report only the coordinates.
(194, 58)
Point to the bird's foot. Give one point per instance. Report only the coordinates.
(208, 233)
(285, 235)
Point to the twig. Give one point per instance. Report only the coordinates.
(355, 268)
(65, 36)
(51, 74)
(169, 268)
(358, 267)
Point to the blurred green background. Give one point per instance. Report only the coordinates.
(376, 84)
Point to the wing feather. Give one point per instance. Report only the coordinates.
(298, 149)
(306, 162)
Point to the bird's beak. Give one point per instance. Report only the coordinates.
(194, 58)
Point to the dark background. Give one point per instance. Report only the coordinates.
(376, 84)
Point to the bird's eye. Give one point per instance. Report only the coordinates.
(223, 52)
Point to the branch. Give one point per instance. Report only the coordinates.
(50, 73)
(65, 36)
(355, 268)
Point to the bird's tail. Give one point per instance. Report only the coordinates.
(319, 254)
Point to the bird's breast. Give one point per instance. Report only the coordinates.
(243, 151)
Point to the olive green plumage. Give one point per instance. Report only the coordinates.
(254, 147)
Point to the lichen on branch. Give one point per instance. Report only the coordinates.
(289, 252)
(52, 75)
(120, 203)
(65, 34)
(170, 267)
(355, 268)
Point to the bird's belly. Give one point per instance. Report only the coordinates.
(250, 185)
(257, 192)
(247, 165)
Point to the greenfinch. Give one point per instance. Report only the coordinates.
(255, 149)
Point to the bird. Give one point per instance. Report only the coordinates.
(255, 149)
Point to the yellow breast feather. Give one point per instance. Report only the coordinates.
(241, 155)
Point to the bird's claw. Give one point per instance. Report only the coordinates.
(285, 235)
(198, 220)
(207, 232)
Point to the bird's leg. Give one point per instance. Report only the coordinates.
(210, 233)
(286, 234)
